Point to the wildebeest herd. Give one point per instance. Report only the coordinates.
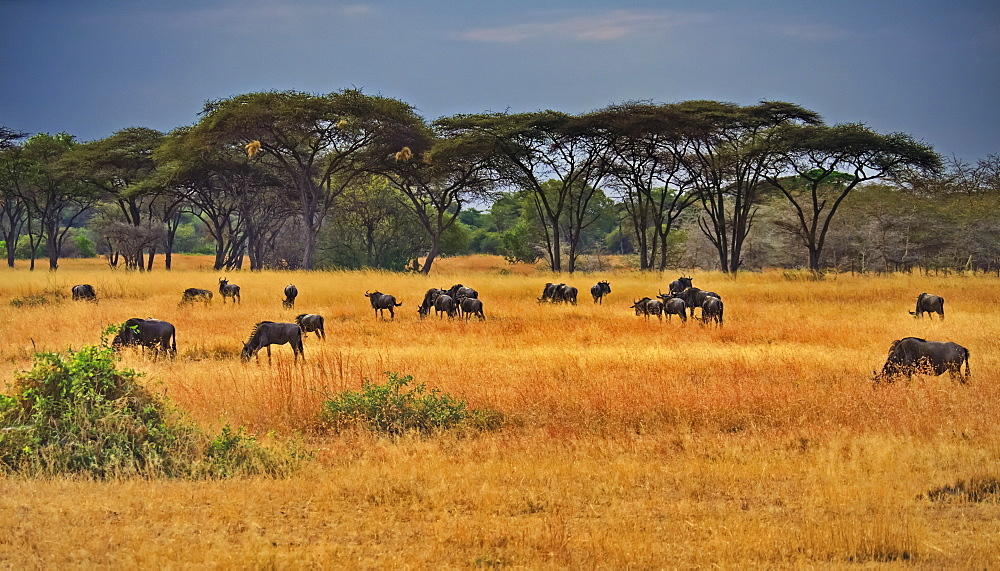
(907, 356)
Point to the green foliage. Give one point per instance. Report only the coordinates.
(33, 300)
(86, 248)
(79, 414)
(394, 408)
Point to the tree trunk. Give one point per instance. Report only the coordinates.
(432, 254)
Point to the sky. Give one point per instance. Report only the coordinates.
(90, 68)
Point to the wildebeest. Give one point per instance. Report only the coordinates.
(229, 290)
(291, 292)
(549, 291)
(648, 306)
(193, 294)
(566, 293)
(147, 333)
(599, 290)
(84, 292)
(472, 306)
(425, 306)
(673, 305)
(711, 310)
(382, 301)
(459, 292)
(930, 304)
(695, 297)
(680, 284)
(310, 322)
(911, 355)
(267, 333)
(444, 304)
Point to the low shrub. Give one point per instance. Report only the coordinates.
(79, 414)
(394, 408)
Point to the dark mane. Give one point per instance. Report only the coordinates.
(256, 330)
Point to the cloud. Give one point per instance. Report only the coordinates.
(603, 27)
(812, 32)
(239, 16)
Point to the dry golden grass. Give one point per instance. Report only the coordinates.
(630, 442)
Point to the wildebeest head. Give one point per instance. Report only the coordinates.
(680, 284)
(128, 334)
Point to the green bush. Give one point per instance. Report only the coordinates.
(79, 414)
(394, 409)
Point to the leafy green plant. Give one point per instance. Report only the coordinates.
(33, 300)
(79, 414)
(398, 407)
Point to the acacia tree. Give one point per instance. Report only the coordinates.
(645, 142)
(12, 207)
(315, 141)
(830, 162)
(436, 176)
(54, 196)
(730, 150)
(118, 166)
(533, 148)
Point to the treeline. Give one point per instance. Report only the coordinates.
(346, 179)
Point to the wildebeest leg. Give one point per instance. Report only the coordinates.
(268, 354)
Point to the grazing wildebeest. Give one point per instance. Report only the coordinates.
(229, 290)
(472, 306)
(193, 294)
(711, 310)
(85, 292)
(695, 297)
(311, 322)
(911, 355)
(930, 304)
(381, 302)
(599, 290)
(680, 284)
(648, 306)
(267, 333)
(425, 306)
(291, 292)
(549, 291)
(444, 304)
(673, 305)
(149, 334)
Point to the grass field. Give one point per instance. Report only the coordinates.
(628, 443)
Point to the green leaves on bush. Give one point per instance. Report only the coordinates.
(80, 414)
(394, 409)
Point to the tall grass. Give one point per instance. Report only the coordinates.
(628, 442)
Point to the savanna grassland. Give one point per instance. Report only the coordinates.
(627, 443)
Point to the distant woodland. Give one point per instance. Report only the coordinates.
(350, 180)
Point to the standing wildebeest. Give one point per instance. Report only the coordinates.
(229, 290)
(599, 290)
(291, 292)
(911, 355)
(680, 284)
(648, 306)
(695, 297)
(267, 333)
(193, 294)
(311, 322)
(472, 306)
(147, 333)
(711, 310)
(382, 301)
(85, 292)
(566, 293)
(673, 305)
(444, 304)
(459, 292)
(930, 304)
(425, 306)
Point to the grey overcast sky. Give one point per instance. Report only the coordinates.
(90, 68)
